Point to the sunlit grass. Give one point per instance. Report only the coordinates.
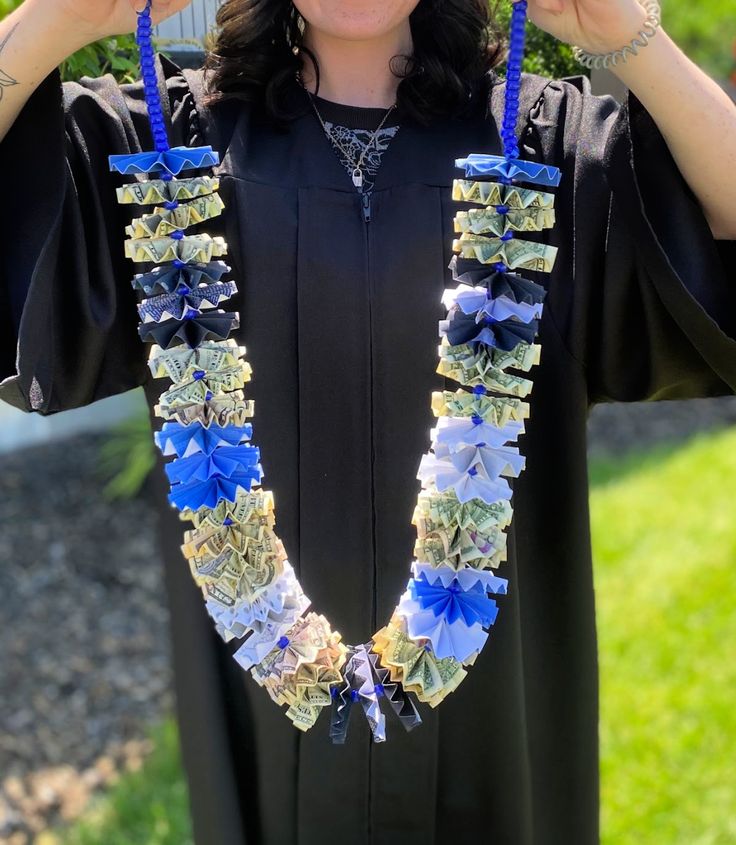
(664, 536)
(147, 807)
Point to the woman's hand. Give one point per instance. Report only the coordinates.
(100, 18)
(597, 26)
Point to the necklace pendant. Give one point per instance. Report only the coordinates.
(358, 177)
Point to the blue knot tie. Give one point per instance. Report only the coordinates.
(197, 375)
(507, 236)
(477, 419)
(227, 521)
(178, 263)
(473, 471)
(502, 209)
(182, 289)
(171, 205)
(177, 235)
(354, 694)
(499, 266)
(378, 689)
(283, 642)
(190, 313)
(479, 389)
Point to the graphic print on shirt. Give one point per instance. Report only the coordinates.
(355, 141)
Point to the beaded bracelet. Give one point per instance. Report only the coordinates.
(605, 60)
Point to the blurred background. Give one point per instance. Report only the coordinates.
(88, 745)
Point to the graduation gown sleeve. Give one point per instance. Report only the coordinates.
(646, 302)
(68, 330)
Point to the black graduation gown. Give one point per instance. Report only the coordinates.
(339, 317)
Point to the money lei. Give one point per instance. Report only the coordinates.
(251, 592)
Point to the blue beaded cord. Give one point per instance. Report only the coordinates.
(513, 81)
(150, 85)
(517, 35)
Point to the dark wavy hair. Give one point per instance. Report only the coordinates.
(257, 46)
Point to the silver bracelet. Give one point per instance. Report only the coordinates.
(605, 60)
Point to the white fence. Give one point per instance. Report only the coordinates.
(192, 22)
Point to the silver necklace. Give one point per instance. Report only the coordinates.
(357, 174)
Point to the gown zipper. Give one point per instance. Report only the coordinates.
(366, 208)
(366, 212)
(365, 200)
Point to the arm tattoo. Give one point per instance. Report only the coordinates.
(5, 79)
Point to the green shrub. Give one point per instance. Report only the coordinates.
(117, 55)
(705, 31)
(544, 54)
(127, 457)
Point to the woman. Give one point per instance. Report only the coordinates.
(339, 297)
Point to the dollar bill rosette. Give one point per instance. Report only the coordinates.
(235, 557)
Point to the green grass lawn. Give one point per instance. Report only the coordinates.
(147, 807)
(665, 554)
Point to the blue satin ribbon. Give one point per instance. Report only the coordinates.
(199, 494)
(499, 283)
(192, 329)
(479, 164)
(503, 334)
(224, 461)
(201, 479)
(185, 296)
(454, 603)
(174, 435)
(171, 161)
(168, 277)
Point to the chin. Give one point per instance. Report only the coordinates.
(356, 20)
